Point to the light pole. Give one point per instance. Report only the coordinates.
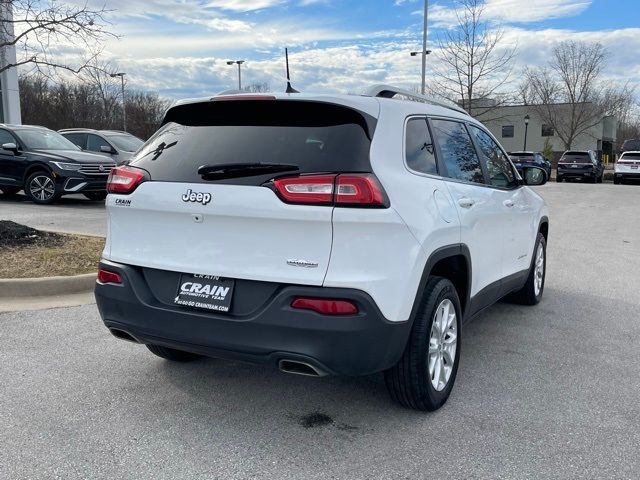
(526, 130)
(424, 52)
(239, 62)
(124, 102)
(424, 56)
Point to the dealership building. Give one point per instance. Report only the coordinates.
(9, 96)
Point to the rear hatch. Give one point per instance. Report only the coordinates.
(628, 163)
(577, 162)
(208, 204)
(520, 158)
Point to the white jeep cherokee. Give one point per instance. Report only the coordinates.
(323, 234)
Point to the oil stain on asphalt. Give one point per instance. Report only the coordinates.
(315, 419)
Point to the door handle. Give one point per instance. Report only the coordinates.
(508, 203)
(466, 202)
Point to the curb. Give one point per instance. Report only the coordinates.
(46, 286)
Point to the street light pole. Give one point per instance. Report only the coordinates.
(124, 102)
(239, 62)
(526, 130)
(424, 45)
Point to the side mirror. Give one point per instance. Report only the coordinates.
(10, 146)
(534, 176)
(106, 149)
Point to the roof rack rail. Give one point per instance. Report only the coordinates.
(75, 129)
(387, 91)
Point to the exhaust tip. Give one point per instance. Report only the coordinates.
(122, 335)
(299, 368)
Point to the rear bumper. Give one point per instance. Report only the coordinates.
(574, 174)
(627, 175)
(341, 345)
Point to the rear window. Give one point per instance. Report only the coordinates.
(316, 137)
(522, 157)
(581, 157)
(630, 156)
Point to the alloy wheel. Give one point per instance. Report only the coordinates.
(539, 270)
(42, 188)
(443, 342)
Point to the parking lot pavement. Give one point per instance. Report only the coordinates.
(71, 214)
(542, 392)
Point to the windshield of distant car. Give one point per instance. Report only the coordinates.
(42, 139)
(631, 145)
(128, 143)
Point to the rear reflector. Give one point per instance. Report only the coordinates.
(357, 190)
(124, 180)
(325, 306)
(105, 276)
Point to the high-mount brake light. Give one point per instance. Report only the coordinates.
(325, 306)
(357, 190)
(124, 180)
(228, 98)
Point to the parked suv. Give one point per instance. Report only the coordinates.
(627, 167)
(117, 145)
(528, 159)
(580, 165)
(323, 234)
(46, 165)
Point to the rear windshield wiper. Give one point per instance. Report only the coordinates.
(235, 170)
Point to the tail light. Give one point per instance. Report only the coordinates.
(124, 180)
(105, 276)
(357, 190)
(325, 306)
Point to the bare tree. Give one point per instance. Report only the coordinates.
(97, 75)
(474, 63)
(263, 87)
(44, 30)
(574, 78)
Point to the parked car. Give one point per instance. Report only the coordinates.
(631, 145)
(120, 146)
(334, 234)
(526, 159)
(46, 165)
(627, 167)
(580, 165)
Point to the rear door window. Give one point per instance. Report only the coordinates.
(313, 137)
(94, 142)
(80, 139)
(457, 151)
(498, 165)
(419, 151)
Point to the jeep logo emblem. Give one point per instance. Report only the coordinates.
(196, 197)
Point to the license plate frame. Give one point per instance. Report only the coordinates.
(205, 292)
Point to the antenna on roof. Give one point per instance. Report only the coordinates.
(289, 89)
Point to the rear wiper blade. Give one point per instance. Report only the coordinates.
(235, 170)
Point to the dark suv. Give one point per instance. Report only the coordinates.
(46, 165)
(530, 159)
(580, 165)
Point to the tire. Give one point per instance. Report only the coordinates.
(10, 190)
(410, 381)
(616, 180)
(95, 196)
(532, 291)
(559, 179)
(40, 188)
(172, 354)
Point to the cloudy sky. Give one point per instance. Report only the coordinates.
(179, 48)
